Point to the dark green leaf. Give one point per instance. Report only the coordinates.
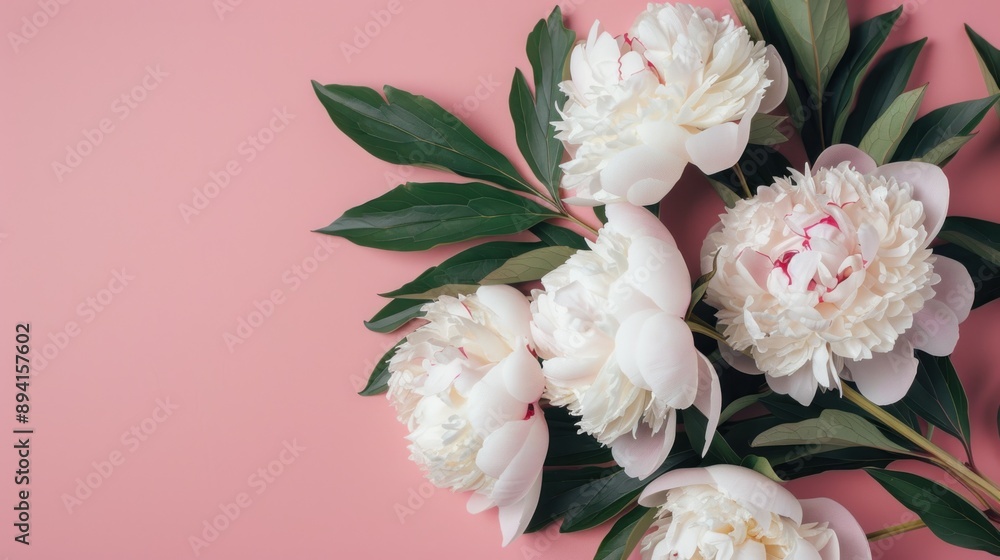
(747, 18)
(548, 48)
(602, 216)
(395, 314)
(989, 61)
(468, 267)
(818, 32)
(937, 395)
(947, 514)
(602, 499)
(413, 130)
(719, 451)
(626, 534)
(761, 465)
(378, 382)
(558, 236)
(866, 39)
(760, 165)
(886, 81)
(941, 124)
(979, 236)
(941, 154)
(740, 404)
(418, 216)
(569, 447)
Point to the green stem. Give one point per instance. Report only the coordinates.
(743, 180)
(569, 217)
(895, 530)
(942, 457)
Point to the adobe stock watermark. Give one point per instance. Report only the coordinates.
(32, 25)
(87, 310)
(225, 7)
(258, 482)
(365, 33)
(121, 107)
(131, 440)
(247, 150)
(292, 279)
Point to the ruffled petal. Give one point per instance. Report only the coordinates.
(800, 385)
(930, 187)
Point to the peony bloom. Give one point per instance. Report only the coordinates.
(680, 87)
(725, 512)
(827, 275)
(467, 386)
(618, 352)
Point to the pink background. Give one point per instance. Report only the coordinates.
(193, 277)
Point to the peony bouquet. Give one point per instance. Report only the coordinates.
(577, 373)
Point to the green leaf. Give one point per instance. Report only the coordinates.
(938, 397)
(979, 236)
(865, 42)
(378, 382)
(818, 32)
(761, 465)
(747, 18)
(989, 61)
(569, 447)
(984, 272)
(556, 236)
(727, 194)
(885, 82)
(468, 267)
(943, 152)
(548, 48)
(834, 429)
(764, 130)
(886, 133)
(626, 534)
(602, 216)
(740, 404)
(932, 129)
(602, 499)
(413, 130)
(760, 165)
(418, 216)
(529, 266)
(719, 451)
(395, 314)
(947, 514)
(700, 287)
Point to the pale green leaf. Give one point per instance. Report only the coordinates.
(833, 429)
(529, 266)
(764, 130)
(818, 32)
(889, 129)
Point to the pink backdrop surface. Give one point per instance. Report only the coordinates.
(162, 167)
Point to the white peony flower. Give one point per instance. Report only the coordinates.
(828, 274)
(725, 512)
(618, 352)
(467, 386)
(680, 87)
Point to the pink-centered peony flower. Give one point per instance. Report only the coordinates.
(725, 512)
(679, 87)
(618, 353)
(828, 275)
(467, 386)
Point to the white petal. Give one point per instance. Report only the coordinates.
(657, 269)
(500, 447)
(717, 148)
(750, 550)
(935, 329)
(642, 175)
(853, 544)
(956, 289)
(668, 360)
(522, 375)
(800, 385)
(655, 493)
(511, 307)
(778, 74)
(803, 550)
(839, 153)
(514, 518)
(627, 347)
(709, 399)
(759, 494)
(930, 187)
(739, 360)
(519, 476)
(478, 503)
(635, 222)
(887, 376)
(642, 453)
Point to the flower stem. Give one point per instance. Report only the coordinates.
(895, 530)
(743, 180)
(955, 467)
(569, 217)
